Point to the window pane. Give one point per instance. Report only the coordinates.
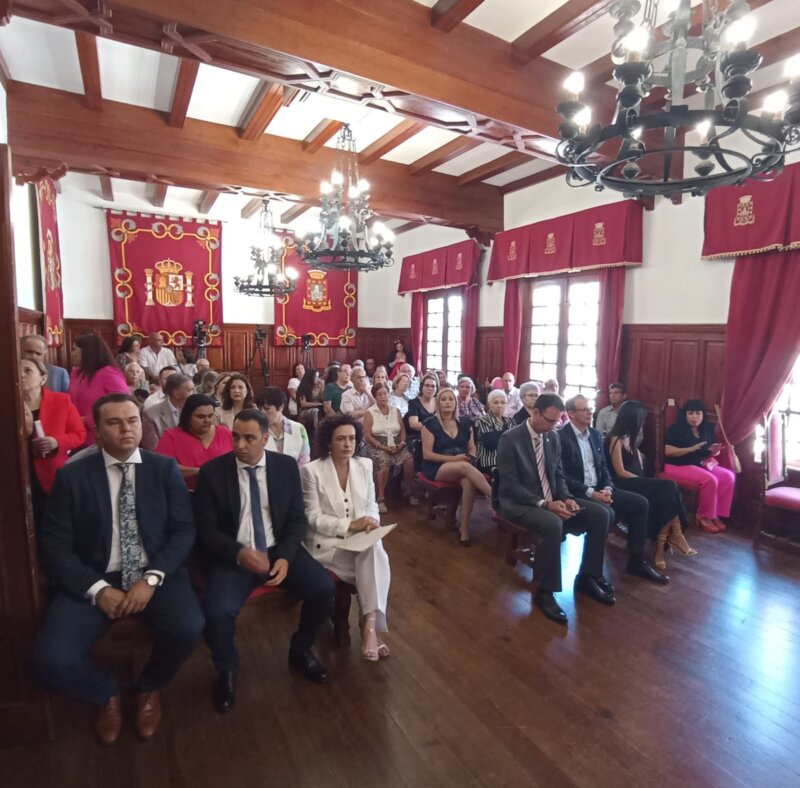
(454, 303)
(434, 362)
(435, 333)
(454, 364)
(584, 292)
(435, 305)
(583, 314)
(545, 315)
(435, 320)
(546, 294)
(547, 335)
(434, 348)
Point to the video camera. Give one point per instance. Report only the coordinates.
(200, 333)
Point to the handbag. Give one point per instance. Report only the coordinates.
(736, 465)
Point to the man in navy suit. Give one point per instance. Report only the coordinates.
(116, 535)
(587, 476)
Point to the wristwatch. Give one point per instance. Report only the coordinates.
(152, 579)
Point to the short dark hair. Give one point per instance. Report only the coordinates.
(619, 386)
(174, 382)
(273, 396)
(111, 399)
(192, 403)
(127, 343)
(251, 414)
(376, 387)
(164, 369)
(569, 405)
(327, 427)
(691, 404)
(545, 401)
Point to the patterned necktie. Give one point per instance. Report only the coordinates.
(538, 446)
(130, 542)
(259, 534)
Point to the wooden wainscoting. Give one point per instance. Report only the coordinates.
(29, 321)
(490, 353)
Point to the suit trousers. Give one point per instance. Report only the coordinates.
(548, 529)
(72, 626)
(228, 587)
(632, 509)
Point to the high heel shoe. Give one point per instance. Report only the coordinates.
(677, 540)
(707, 525)
(383, 650)
(658, 556)
(382, 508)
(720, 525)
(369, 652)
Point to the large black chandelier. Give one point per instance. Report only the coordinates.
(269, 278)
(639, 151)
(343, 240)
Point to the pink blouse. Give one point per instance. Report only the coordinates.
(84, 392)
(188, 450)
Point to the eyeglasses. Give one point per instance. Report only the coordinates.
(582, 410)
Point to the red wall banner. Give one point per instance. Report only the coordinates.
(166, 274)
(323, 308)
(50, 252)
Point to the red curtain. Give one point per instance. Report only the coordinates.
(469, 330)
(763, 338)
(512, 325)
(417, 328)
(51, 263)
(609, 330)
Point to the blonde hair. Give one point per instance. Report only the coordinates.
(36, 363)
(439, 396)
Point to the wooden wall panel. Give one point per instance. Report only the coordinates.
(29, 321)
(490, 353)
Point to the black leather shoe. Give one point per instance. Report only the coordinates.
(640, 568)
(546, 602)
(225, 691)
(605, 585)
(305, 661)
(589, 586)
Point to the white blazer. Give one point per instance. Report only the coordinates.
(325, 505)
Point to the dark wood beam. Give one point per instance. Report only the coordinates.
(289, 215)
(266, 101)
(442, 155)
(289, 95)
(492, 168)
(252, 207)
(389, 141)
(446, 14)
(106, 188)
(404, 228)
(90, 69)
(564, 22)
(320, 134)
(5, 73)
(184, 85)
(532, 180)
(207, 200)
(159, 195)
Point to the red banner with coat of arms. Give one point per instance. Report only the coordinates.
(50, 252)
(323, 308)
(166, 275)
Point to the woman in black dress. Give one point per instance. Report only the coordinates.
(667, 515)
(420, 409)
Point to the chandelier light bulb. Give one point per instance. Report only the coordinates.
(374, 241)
(363, 185)
(792, 68)
(636, 41)
(574, 83)
(583, 118)
(636, 133)
(702, 128)
(337, 179)
(388, 235)
(345, 223)
(379, 228)
(775, 103)
(325, 187)
(292, 273)
(740, 31)
(353, 192)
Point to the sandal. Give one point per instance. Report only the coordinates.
(368, 653)
(382, 508)
(383, 651)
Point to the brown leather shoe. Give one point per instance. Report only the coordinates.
(148, 714)
(109, 721)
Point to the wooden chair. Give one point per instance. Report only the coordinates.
(521, 542)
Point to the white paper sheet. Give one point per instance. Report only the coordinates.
(362, 540)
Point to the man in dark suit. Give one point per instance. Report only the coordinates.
(116, 535)
(534, 495)
(251, 523)
(587, 477)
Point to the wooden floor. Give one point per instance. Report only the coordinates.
(694, 684)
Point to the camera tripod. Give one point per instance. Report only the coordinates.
(258, 351)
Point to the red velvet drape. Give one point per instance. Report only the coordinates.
(417, 328)
(609, 329)
(469, 329)
(763, 337)
(512, 325)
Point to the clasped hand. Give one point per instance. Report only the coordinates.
(602, 496)
(564, 509)
(258, 563)
(118, 604)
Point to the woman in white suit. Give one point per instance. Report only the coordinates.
(339, 494)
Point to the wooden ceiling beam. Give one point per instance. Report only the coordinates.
(442, 155)
(532, 180)
(320, 134)
(446, 14)
(207, 200)
(90, 69)
(252, 208)
(106, 188)
(264, 106)
(404, 228)
(492, 168)
(159, 195)
(389, 141)
(184, 86)
(564, 22)
(289, 215)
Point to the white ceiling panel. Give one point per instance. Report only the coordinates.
(221, 96)
(41, 54)
(134, 75)
(523, 171)
(371, 127)
(483, 154)
(509, 19)
(428, 140)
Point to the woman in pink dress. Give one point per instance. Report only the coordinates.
(94, 374)
(196, 439)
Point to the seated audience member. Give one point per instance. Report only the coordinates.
(448, 452)
(419, 409)
(380, 376)
(219, 387)
(488, 430)
(533, 494)
(208, 381)
(203, 366)
(339, 496)
(397, 358)
(60, 429)
(513, 401)
(397, 397)
(94, 375)
(608, 415)
(129, 352)
(291, 387)
(177, 389)
(158, 396)
(333, 392)
(528, 394)
(196, 439)
(309, 400)
(385, 437)
(251, 524)
(369, 367)
(357, 400)
(155, 357)
(690, 453)
(441, 376)
(414, 381)
(134, 377)
(285, 436)
(115, 539)
(236, 397)
(357, 363)
(34, 346)
(587, 476)
(185, 361)
(666, 512)
(469, 406)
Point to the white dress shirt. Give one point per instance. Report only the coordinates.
(245, 534)
(513, 402)
(155, 362)
(353, 401)
(589, 469)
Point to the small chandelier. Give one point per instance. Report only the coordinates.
(342, 240)
(269, 278)
(736, 143)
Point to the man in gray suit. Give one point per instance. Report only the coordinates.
(534, 494)
(177, 389)
(34, 346)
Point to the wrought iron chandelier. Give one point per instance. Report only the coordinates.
(639, 151)
(269, 278)
(343, 240)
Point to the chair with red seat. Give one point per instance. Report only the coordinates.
(521, 542)
(666, 416)
(439, 494)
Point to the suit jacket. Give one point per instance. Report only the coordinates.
(326, 510)
(519, 476)
(162, 417)
(217, 504)
(572, 460)
(57, 379)
(75, 541)
(60, 420)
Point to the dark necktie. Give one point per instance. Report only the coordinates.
(259, 534)
(130, 541)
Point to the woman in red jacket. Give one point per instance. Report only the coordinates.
(53, 426)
